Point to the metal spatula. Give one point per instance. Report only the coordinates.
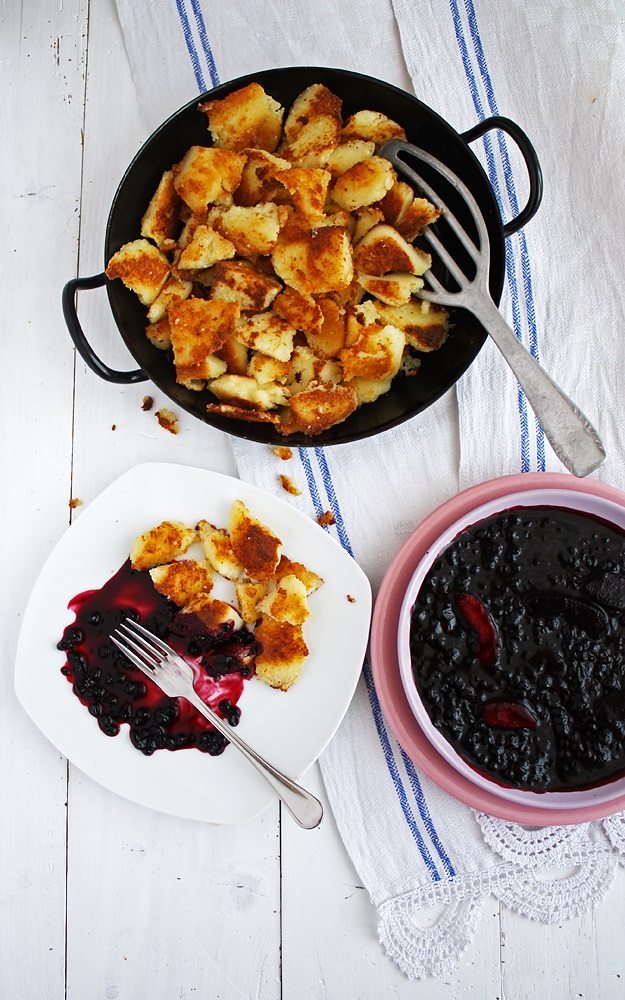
(572, 437)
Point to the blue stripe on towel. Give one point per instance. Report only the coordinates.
(511, 192)
(419, 795)
(188, 37)
(201, 27)
(310, 479)
(391, 763)
(379, 718)
(510, 186)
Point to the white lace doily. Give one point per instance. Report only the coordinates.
(550, 874)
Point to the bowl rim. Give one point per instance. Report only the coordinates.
(265, 433)
(554, 496)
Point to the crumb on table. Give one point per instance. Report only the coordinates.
(148, 403)
(113, 427)
(168, 420)
(325, 519)
(290, 486)
(352, 600)
(283, 453)
(75, 502)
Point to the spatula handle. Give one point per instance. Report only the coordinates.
(571, 435)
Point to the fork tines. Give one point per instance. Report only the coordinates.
(130, 638)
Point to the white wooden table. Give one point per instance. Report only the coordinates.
(100, 898)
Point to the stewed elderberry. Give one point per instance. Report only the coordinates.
(212, 742)
(71, 637)
(231, 712)
(518, 648)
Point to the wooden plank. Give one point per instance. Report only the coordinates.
(42, 80)
(582, 957)
(160, 907)
(157, 906)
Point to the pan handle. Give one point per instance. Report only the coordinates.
(531, 162)
(80, 341)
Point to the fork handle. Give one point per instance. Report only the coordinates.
(305, 809)
(572, 436)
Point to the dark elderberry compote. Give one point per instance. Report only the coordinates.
(518, 648)
(116, 692)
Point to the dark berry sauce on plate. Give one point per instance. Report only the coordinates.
(115, 692)
(517, 643)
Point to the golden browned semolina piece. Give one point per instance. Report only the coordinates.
(382, 249)
(317, 409)
(258, 180)
(253, 230)
(161, 545)
(161, 220)
(290, 486)
(366, 219)
(314, 261)
(246, 392)
(239, 413)
(331, 336)
(373, 127)
(283, 652)
(313, 101)
(179, 581)
(395, 289)
(267, 333)
(376, 354)
(205, 249)
(211, 613)
(246, 118)
(218, 550)
(249, 593)
(307, 370)
(234, 354)
(238, 281)
(396, 202)
(310, 580)
(204, 174)
(308, 187)
(301, 311)
(159, 333)
(348, 155)
(199, 327)
(254, 544)
(363, 184)
(421, 213)
(287, 602)
(264, 368)
(142, 267)
(168, 420)
(424, 324)
(314, 143)
(171, 292)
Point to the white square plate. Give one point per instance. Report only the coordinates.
(290, 729)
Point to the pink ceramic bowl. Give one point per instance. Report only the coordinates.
(598, 506)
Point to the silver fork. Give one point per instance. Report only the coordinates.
(572, 436)
(174, 676)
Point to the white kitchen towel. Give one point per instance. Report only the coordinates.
(558, 72)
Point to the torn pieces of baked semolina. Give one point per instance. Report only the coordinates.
(270, 591)
(290, 216)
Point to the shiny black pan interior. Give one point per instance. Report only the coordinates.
(408, 396)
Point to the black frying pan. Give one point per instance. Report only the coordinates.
(408, 396)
